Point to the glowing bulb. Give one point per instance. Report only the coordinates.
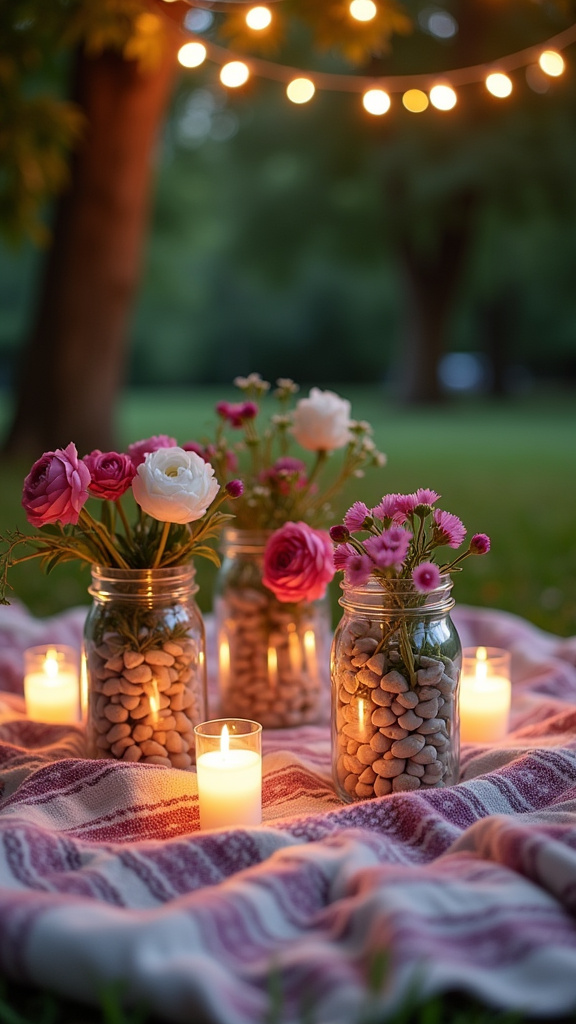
(224, 740)
(191, 55)
(376, 101)
(234, 74)
(415, 101)
(442, 97)
(258, 18)
(552, 63)
(363, 10)
(300, 90)
(499, 85)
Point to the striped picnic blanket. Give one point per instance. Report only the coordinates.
(105, 876)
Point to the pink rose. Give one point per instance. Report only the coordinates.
(298, 562)
(111, 474)
(56, 488)
(139, 450)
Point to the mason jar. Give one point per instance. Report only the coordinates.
(273, 657)
(395, 667)
(144, 646)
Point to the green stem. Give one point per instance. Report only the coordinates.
(125, 522)
(162, 544)
(103, 538)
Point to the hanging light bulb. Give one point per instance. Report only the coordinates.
(363, 10)
(376, 101)
(415, 101)
(443, 97)
(191, 55)
(552, 63)
(300, 90)
(258, 18)
(234, 74)
(499, 84)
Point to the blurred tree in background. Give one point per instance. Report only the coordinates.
(358, 248)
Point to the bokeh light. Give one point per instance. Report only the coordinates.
(443, 97)
(234, 74)
(415, 101)
(499, 84)
(258, 18)
(376, 101)
(191, 55)
(552, 63)
(363, 10)
(300, 90)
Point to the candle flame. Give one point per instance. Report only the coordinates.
(224, 740)
(51, 663)
(481, 654)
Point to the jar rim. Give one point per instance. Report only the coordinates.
(166, 572)
(398, 595)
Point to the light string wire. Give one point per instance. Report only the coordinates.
(263, 68)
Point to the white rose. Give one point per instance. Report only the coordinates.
(174, 486)
(321, 421)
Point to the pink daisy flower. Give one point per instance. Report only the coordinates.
(342, 555)
(448, 529)
(388, 507)
(356, 516)
(424, 496)
(358, 569)
(426, 577)
(390, 547)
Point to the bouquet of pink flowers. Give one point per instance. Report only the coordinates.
(400, 535)
(175, 490)
(285, 457)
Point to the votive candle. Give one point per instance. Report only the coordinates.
(485, 694)
(229, 772)
(51, 686)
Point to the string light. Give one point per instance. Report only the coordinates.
(418, 90)
(415, 101)
(552, 63)
(443, 97)
(300, 90)
(376, 101)
(499, 84)
(258, 18)
(234, 74)
(192, 55)
(363, 10)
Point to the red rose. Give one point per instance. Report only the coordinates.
(298, 562)
(111, 474)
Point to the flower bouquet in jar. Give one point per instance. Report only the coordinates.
(273, 637)
(144, 637)
(396, 655)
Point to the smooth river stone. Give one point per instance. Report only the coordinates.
(408, 746)
(409, 720)
(404, 783)
(382, 717)
(389, 768)
(376, 663)
(394, 682)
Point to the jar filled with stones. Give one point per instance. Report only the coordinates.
(396, 660)
(145, 664)
(273, 657)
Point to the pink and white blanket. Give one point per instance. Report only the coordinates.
(105, 876)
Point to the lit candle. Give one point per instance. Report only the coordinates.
(229, 773)
(51, 685)
(484, 695)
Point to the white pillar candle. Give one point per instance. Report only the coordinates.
(485, 694)
(229, 773)
(51, 686)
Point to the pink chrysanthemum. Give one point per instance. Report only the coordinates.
(424, 496)
(388, 507)
(358, 569)
(426, 577)
(342, 555)
(390, 547)
(287, 474)
(356, 516)
(236, 413)
(448, 529)
(480, 544)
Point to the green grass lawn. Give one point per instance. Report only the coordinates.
(506, 468)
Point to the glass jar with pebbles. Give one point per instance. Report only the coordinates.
(396, 656)
(145, 658)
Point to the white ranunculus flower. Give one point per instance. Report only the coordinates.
(175, 486)
(321, 421)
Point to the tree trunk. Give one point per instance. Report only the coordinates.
(431, 281)
(74, 361)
